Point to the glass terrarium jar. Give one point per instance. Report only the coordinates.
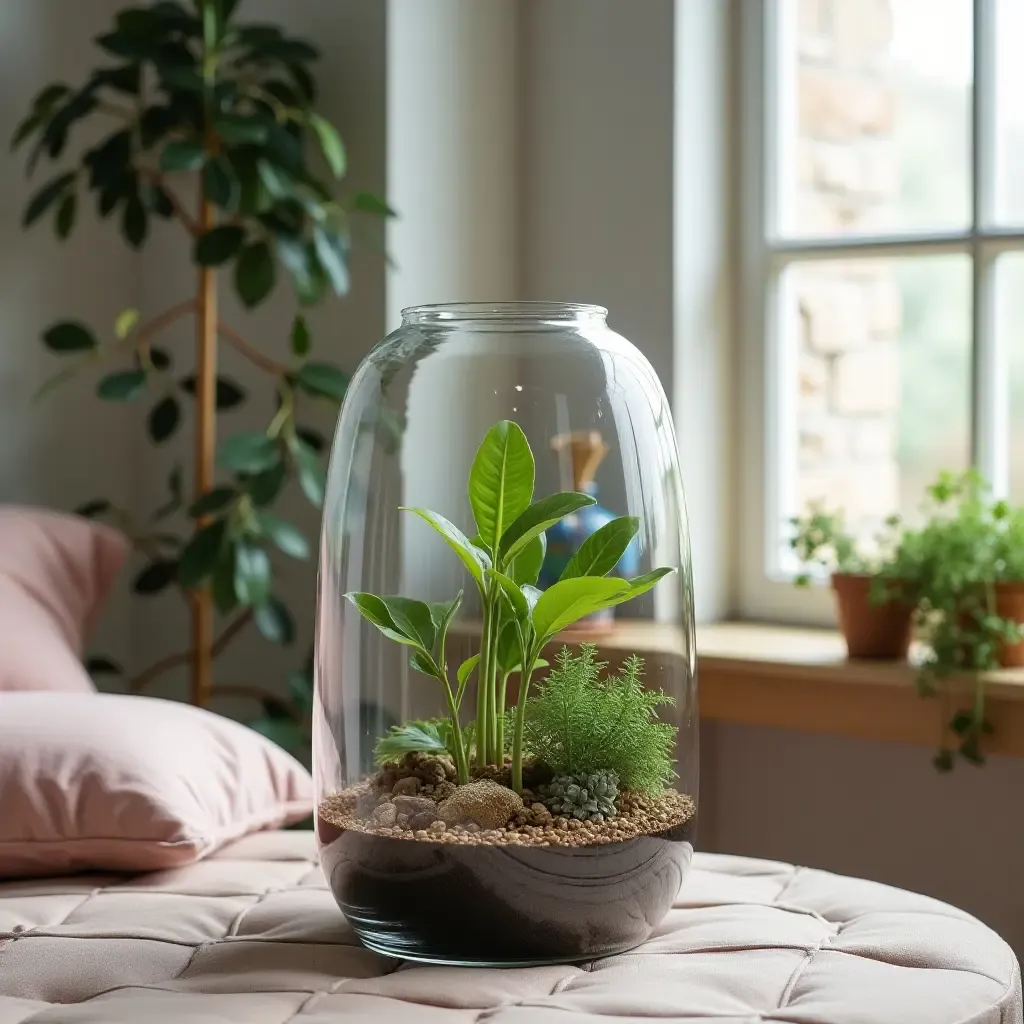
(505, 730)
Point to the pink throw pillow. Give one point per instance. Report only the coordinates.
(112, 782)
(55, 571)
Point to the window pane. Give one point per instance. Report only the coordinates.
(1010, 324)
(1009, 111)
(880, 353)
(874, 116)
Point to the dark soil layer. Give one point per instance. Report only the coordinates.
(501, 904)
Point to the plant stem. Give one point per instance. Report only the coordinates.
(158, 668)
(500, 744)
(461, 766)
(253, 354)
(482, 684)
(517, 741)
(496, 755)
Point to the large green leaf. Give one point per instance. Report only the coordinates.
(219, 245)
(252, 574)
(471, 556)
(222, 585)
(199, 557)
(254, 274)
(500, 480)
(641, 584)
(536, 519)
(323, 380)
(248, 453)
(413, 620)
(275, 622)
(375, 610)
(69, 336)
(122, 386)
(601, 551)
(570, 600)
(288, 538)
(526, 566)
(330, 143)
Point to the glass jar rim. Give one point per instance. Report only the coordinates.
(537, 311)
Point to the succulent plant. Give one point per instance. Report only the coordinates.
(589, 796)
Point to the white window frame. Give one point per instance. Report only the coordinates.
(768, 385)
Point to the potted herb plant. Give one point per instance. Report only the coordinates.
(965, 566)
(872, 607)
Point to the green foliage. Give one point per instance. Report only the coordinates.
(504, 559)
(822, 541)
(192, 100)
(432, 736)
(579, 723)
(968, 543)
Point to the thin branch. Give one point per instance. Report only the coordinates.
(141, 337)
(158, 668)
(182, 214)
(253, 354)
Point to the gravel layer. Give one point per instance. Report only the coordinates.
(638, 815)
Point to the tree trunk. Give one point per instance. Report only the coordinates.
(201, 683)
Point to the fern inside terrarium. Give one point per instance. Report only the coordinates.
(578, 722)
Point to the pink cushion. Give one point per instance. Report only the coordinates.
(55, 571)
(108, 781)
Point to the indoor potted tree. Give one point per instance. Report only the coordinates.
(193, 102)
(872, 605)
(965, 568)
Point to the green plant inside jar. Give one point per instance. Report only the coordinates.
(503, 559)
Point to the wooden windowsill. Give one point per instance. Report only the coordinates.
(789, 678)
(801, 679)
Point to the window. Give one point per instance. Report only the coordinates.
(883, 263)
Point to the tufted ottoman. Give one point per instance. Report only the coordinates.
(252, 936)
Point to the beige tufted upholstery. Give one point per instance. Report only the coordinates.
(253, 936)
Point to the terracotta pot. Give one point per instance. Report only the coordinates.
(879, 631)
(1010, 605)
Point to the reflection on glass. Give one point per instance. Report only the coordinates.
(875, 116)
(1010, 325)
(880, 351)
(1009, 112)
